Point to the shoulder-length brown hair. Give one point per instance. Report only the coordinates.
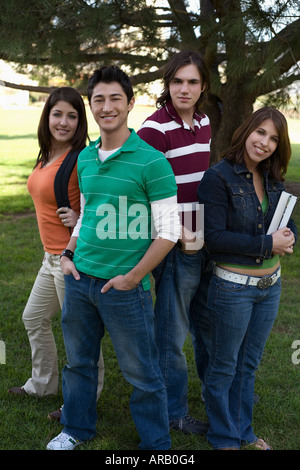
(72, 96)
(177, 61)
(278, 162)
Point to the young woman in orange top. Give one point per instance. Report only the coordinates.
(62, 128)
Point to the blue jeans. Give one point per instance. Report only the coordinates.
(128, 318)
(242, 320)
(177, 286)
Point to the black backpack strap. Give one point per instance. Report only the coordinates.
(62, 179)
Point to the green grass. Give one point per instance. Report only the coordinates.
(293, 173)
(23, 423)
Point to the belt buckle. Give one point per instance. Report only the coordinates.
(264, 282)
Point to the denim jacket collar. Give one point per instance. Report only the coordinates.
(240, 168)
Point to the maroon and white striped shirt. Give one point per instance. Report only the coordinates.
(187, 150)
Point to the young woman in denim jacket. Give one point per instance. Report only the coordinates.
(240, 194)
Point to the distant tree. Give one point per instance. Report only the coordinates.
(252, 47)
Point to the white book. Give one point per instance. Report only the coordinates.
(283, 212)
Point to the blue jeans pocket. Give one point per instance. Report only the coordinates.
(227, 286)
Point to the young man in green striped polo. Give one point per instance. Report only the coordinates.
(125, 185)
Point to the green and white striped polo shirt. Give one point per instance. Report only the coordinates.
(116, 225)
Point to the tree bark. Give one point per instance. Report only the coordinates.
(231, 112)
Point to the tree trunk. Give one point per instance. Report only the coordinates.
(226, 117)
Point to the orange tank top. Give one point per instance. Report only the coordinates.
(54, 235)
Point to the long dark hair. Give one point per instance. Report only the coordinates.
(72, 96)
(177, 61)
(278, 162)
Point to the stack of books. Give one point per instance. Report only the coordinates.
(283, 212)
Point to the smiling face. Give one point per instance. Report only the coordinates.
(261, 144)
(185, 89)
(63, 122)
(110, 107)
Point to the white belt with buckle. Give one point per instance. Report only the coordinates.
(260, 282)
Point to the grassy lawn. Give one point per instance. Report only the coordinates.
(23, 423)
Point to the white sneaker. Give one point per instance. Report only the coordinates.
(63, 442)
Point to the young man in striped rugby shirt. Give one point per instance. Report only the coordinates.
(182, 132)
(107, 263)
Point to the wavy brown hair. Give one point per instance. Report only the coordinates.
(72, 96)
(278, 162)
(177, 61)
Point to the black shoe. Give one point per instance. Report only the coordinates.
(56, 415)
(189, 425)
(17, 391)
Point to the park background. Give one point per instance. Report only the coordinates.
(23, 419)
(252, 50)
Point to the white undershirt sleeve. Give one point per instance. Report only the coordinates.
(79, 221)
(165, 218)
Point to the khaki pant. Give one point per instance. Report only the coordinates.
(44, 302)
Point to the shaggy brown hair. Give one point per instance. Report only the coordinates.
(179, 60)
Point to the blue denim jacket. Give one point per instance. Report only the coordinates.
(234, 224)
